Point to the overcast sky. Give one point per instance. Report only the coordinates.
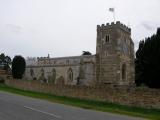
(67, 27)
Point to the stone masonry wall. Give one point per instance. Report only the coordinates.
(51, 70)
(132, 96)
(115, 54)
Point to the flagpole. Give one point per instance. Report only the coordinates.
(113, 11)
(114, 16)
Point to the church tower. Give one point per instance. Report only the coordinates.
(114, 55)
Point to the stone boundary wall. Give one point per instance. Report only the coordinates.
(132, 96)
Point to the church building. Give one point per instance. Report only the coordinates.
(113, 63)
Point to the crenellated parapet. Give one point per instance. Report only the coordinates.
(116, 25)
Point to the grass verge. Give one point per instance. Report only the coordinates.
(153, 114)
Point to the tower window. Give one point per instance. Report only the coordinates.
(124, 72)
(107, 39)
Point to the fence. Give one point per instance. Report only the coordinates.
(132, 96)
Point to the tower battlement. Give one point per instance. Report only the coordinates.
(116, 25)
(115, 54)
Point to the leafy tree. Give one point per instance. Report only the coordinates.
(138, 64)
(18, 67)
(5, 62)
(147, 63)
(86, 53)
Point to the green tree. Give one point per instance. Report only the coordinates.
(138, 64)
(86, 53)
(147, 63)
(18, 67)
(5, 62)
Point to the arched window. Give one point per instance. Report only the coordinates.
(32, 72)
(53, 74)
(107, 39)
(42, 72)
(70, 75)
(124, 72)
(42, 77)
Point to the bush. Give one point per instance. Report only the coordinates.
(18, 67)
(147, 63)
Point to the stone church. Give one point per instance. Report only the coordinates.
(112, 64)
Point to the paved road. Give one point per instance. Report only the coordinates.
(15, 107)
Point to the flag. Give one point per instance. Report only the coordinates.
(111, 9)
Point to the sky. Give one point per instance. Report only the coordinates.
(36, 28)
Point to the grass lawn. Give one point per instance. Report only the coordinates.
(153, 114)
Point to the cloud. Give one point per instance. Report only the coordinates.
(148, 27)
(14, 28)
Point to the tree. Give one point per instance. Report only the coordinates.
(147, 63)
(86, 53)
(5, 62)
(18, 67)
(138, 64)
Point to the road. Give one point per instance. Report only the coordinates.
(16, 107)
